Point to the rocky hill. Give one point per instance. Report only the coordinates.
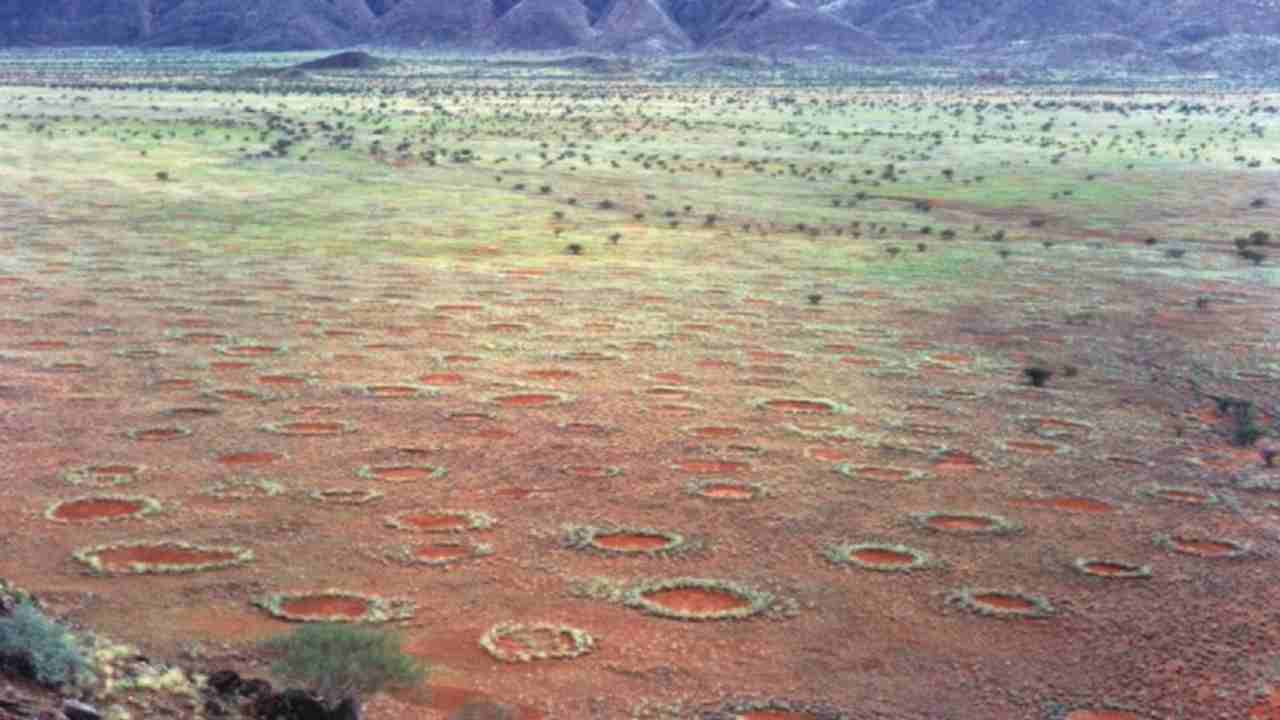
(1196, 35)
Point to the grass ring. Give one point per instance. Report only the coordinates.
(441, 521)
(166, 553)
(1003, 604)
(747, 602)
(498, 642)
(848, 554)
(345, 496)
(377, 609)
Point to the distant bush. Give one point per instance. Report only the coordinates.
(344, 661)
(482, 710)
(39, 648)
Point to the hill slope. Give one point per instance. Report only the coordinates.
(1192, 34)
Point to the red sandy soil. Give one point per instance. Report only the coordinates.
(1196, 640)
(96, 509)
(888, 558)
(123, 557)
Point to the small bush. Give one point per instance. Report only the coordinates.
(40, 648)
(342, 661)
(1039, 376)
(484, 710)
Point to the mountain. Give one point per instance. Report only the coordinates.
(1196, 35)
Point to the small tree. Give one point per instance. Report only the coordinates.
(342, 661)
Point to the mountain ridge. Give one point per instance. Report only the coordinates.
(1156, 33)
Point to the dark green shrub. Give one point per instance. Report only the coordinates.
(40, 648)
(339, 661)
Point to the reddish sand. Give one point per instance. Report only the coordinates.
(204, 338)
(550, 375)
(440, 553)
(1078, 504)
(956, 461)
(527, 400)
(1103, 715)
(878, 473)
(249, 458)
(536, 640)
(192, 413)
(714, 432)
(434, 521)
(312, 428)
(325, 606)
(122, 558)
(1056, 424)
(592, 472)
(631, 542)
(802, 406)
(1191, 645)
(962, 523)
(888, 558)
(728, 492)
(672, 378)
(1006, 603)
(697, 601)
(154, 434)
(579, 428)
(250, 350)
(109, 471)
(286, 380)
(173, 384)
(1109, 569)
(236, 394)
(389, 392)
(96, 509)
(776, 715)
(711, 467)
(1193, 498)
(1268, 709)
(403, 473)
(1204, 548)
(1033, 448)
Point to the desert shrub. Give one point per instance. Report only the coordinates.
(1039, 376)
(340, 661)
(483, 710)
(1244, 432)
(40, 648)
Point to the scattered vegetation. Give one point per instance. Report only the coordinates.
(338, 662)
(40, 649)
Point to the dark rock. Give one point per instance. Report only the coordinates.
(346, 710)
(255, 687)
(290, 705)
(17, 664)
(213, 708)
(76, 710)
(225, 681)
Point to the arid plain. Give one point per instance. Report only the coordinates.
(678, 391)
